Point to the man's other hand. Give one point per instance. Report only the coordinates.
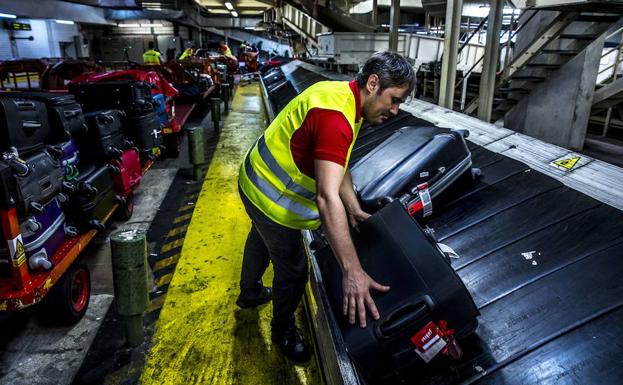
(356, 286)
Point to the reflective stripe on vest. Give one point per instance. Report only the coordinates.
(269, 176)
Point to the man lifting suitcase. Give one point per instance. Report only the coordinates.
(296, 177)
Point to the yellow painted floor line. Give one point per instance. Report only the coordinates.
(172, 245)
(156, 303)
(161, 264)
(177, 231)
(164, 280)
(185, 208)
(201, 337)
(182, 218)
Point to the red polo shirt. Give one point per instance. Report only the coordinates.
(324, 135)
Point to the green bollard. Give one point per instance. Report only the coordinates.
(196, 150)
(230, 81)
(225, 95)
(215, 110)
(129, 264)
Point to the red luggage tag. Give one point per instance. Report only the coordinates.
(433, 338)
(424, 203)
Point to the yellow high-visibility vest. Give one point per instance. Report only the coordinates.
(151, 57)
(187, 52)
(269, 176)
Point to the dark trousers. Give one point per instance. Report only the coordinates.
(271, 242)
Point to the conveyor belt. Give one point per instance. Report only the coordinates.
(542, 260)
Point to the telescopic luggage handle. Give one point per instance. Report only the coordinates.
(406, 316)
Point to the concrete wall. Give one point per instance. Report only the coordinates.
(47, 39)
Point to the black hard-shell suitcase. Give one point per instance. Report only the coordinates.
(281, 94)
(24, 125)
(125, 95)
(93, 199)
(415, 164)
(143, 129)
(273, 77)
(105, 139)
(64, 113)
(395, 251)
(31, 183)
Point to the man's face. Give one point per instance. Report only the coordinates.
(378, 107)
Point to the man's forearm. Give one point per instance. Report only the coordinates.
(347, 194)
(333, 216)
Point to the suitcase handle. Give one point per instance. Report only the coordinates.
(71, 113)
(31, 124)
(402, 318)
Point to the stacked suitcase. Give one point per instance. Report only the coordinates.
(62, 170)
(140, 120)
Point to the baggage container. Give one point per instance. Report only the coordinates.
(395, 251)
(415, 164)
(24, 125)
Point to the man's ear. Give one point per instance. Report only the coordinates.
(372, 85)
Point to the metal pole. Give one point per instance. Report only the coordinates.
(615, 72)
(464, 91)
(215, 111)
(225, 95)
(196, 150)
(489, 67)
(508, 40)
(394, 21)
(375, 13)
(129, 263)
(450, 53)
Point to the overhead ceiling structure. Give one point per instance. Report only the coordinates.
(235, 7)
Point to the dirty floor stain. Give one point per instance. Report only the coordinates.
(201, 336)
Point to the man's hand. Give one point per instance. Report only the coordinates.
(356, 286)
(357, 217)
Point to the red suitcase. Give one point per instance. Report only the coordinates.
(126, 175)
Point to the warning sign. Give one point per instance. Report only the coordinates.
(567, 163)
(16, 248)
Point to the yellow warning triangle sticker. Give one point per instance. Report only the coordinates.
(567, 163)
(19, 249)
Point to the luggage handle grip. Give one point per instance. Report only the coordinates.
(404, 317)
(71, 113)
(31, 124)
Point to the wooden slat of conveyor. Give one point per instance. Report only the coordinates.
(201, 336)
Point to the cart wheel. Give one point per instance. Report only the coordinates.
(124, 212)
(69, 298)
(173, 144)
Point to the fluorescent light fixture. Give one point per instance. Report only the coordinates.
(151, 25)
(8, 16)
(234, 13)
(64, 21)
(249, 28)
(229, 6)
(129, 25)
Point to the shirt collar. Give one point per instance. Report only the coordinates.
(355, 88)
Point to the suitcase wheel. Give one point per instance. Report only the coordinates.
(36, 208)
(62, 198)
(476, 173)
(19, 167)
(96, 224)
(119, 200)
(88, 189)
(128, 144)
(71, 231)
(113, 152)
(55, 152)
(114, 169)
(68, 187)
(33, 225)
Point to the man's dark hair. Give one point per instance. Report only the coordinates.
(392, 69)
(151, 45)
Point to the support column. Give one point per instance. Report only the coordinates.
(450, 53)
(375, 13)
(394, 21)
(490, 64)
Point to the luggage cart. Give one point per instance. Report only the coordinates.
(67, 283)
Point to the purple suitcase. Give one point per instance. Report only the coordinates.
(44, 233)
